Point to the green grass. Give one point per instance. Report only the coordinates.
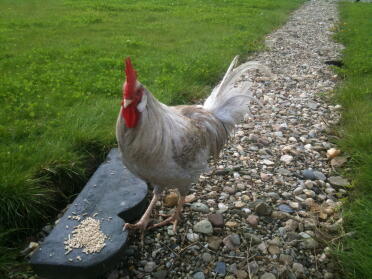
(61, 65)
(355, 95)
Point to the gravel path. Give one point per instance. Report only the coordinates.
(268, 207)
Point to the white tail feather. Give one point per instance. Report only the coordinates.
(230, 100)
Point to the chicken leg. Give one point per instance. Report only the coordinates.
(175, 217)
(145, 219)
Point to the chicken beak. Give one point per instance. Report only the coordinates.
(127, 102)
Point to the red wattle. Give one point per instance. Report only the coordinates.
(131, 116)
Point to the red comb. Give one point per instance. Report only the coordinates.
(131, 78)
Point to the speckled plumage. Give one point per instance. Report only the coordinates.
(170, 146)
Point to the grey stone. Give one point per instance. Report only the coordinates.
(319, 175)
(207, 257)
(328, 275)
(252, 239)
(149, 266)
(283, 171)
(304, 235)
(285, 208)
(263, 209)
(274, 196)
(298, 268)
(338, 161)
(308, 174)
(232, 268)
(199, 207)
(267, 275)
(220, 268)
(192, 237)
(204, 227)
(286, 259)
(161, 274)
(232, 241)
(313, 175)
(120, 196)
(252, 268)
(198, 275)
(292, 236)
(338, 181)
(310, 243)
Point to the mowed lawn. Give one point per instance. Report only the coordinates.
(355, 95)
(61, 67)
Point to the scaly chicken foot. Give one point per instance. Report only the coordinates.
(174, 218)
(145, 219)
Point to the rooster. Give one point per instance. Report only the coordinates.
(169, 146)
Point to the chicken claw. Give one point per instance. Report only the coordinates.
(174, 218)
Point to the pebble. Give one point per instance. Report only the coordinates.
(328, 275)
(161, 274)
(241, 274)
(273, 249)
(232, 268)
(267, 162)
(309, 193)
(222, 207)
(310, 243)
(192, 237)
(304, 235)
(285, 208)
(286, 259)
(232, 241)
(286, 159)
(239, 204)
(332, 153)
(252, 220)
(231, 224)
(190, 198)
(338, 181)
(214, 243)
(198, 275)
(204, 227)
(171, 199)
(199, 207)
(294, 205)
(338, 161)
(267, 275)
(252, 239)
(308, 174)
(291, 225)
(319, 175)
(262, 247)
(220, 268)
(216, 219)
(149, 266)
(298, 268)
(207, 257)
(309, 184)
(263, 209)
(252, 268)
(273, 195)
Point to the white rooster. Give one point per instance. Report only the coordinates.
(169, 146)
